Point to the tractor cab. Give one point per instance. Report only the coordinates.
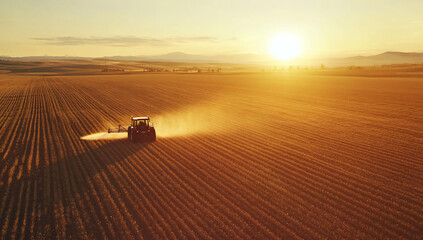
(140, 123)
(141, 128)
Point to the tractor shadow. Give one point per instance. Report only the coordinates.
(60, 186)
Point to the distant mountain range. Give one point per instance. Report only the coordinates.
(380, 59)
(40, 58)
(183, 57)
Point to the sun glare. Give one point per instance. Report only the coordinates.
(285, 47)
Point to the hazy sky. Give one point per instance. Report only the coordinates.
(128, 27)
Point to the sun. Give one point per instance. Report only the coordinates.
(285, 47)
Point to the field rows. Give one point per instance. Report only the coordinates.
(255, 156)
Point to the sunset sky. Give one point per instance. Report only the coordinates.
(97, 28)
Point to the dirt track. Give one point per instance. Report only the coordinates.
(248, 156)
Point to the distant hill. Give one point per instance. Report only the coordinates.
(38, 58)
(380, 59)
(184, 57)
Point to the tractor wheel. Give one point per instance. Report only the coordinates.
(130, 135)
(153, 135)
(129, 132)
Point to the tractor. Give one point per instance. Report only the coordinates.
(140, 129)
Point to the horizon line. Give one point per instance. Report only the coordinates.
(207, 55)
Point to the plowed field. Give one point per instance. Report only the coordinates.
(238, 156)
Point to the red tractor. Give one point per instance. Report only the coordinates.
(140, 129)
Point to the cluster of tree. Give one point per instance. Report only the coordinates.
(197, 70)
(354, 67)
(113, 70)
(155, 70)
(291, 68)
(213, 70)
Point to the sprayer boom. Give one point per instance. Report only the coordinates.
(119, 129)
